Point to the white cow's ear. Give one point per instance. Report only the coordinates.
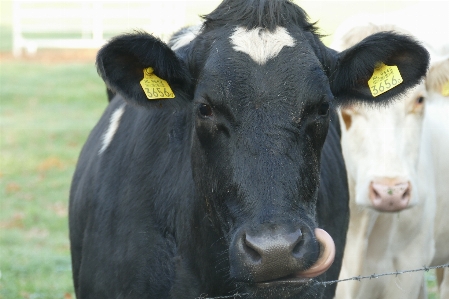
(438, 77)
(355, 66)
(123, 62)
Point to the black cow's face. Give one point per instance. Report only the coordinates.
(258, 93)
(260, 124)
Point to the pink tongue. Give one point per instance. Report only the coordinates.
(326, 258)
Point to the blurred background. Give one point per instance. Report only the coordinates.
(51, 97)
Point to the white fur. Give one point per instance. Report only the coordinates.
(112, 129)
(384, 143)
(390, 142)
(261, 44)
(186, 38)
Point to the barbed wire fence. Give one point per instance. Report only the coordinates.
(396, 273)
(330, 282)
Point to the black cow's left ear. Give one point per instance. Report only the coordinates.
(122, 61)
(355, 66)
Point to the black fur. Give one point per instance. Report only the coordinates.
(387, 47)
(244, 152)
(251, 14)
(122, 62)
(110, 94)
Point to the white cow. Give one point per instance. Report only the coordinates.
(388, 155)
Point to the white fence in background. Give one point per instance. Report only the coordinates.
(89, 24)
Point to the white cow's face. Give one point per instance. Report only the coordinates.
(381, 148)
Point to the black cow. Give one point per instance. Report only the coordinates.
(221, 190)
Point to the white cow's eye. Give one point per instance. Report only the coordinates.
(420, 100)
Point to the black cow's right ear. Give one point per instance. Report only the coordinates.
(121, 63)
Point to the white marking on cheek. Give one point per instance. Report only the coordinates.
(112, 129)
(186, 38)
(261, 44)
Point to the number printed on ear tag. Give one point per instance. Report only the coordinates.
(445, 89)
(384, 78)
(154, 87)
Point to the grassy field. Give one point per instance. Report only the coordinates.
(46, 114)
(47, 108)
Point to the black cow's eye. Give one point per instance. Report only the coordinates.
(205, 110)
(323, 110)
(420, 100)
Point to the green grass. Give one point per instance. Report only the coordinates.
(46, 112)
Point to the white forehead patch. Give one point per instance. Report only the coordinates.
(261, 44)
(113, 126)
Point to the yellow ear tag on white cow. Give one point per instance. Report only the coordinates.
(154, 87)
(384, 78)
(445, 89)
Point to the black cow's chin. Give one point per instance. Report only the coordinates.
(289, 281)
(289, 287)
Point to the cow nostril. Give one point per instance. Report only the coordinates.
(298, 246)
(374, 194)
(251, 250)
(406, 194)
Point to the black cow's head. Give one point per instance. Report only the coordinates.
(258, 84)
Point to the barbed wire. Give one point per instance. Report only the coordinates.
(326, 283)
(396, 273)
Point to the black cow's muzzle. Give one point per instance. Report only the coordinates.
(276, 255)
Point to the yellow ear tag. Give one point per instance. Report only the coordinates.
(445, 89)
(154, 87)
(384, 78)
